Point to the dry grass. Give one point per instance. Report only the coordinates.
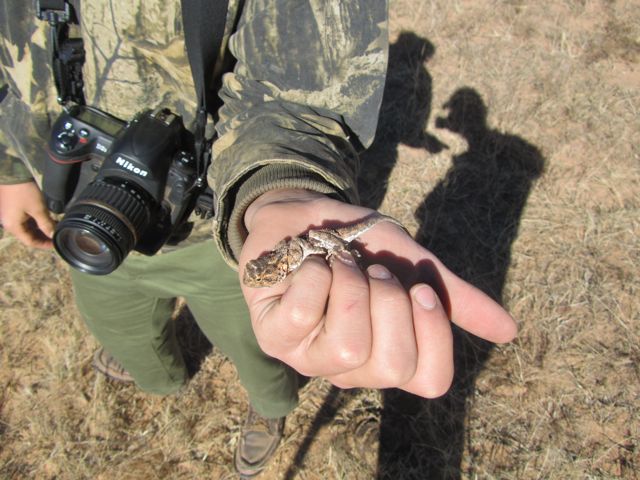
(528, 186)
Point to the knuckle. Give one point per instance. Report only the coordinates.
(350, 355)
(300, 317)
(398, 371)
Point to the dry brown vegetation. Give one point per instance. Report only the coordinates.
(509, 144)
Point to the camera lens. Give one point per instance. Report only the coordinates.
(89, 244)
(83, 249)
(103, 226)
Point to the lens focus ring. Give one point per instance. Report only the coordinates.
(103, 225)
(120, 201)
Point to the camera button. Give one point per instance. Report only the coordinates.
(83, 132)
(66, 141)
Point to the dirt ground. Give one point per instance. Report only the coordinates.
(509, 145)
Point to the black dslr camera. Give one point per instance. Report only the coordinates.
(122, 185)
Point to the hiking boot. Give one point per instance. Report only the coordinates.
(258, 441)
(104, 363)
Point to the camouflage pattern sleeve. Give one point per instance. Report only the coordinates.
(12, 170)
(303, 97)
(23, 109)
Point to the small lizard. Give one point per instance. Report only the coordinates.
(274, 266)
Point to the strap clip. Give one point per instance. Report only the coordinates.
(54, 12)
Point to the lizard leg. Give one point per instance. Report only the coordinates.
(331, 244)
(303, 247)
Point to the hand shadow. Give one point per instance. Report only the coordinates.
(469, 221)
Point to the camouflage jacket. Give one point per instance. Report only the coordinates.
(301, 85)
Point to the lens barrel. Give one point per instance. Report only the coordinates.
(103, 225)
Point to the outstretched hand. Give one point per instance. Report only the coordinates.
(24, 214)
(386, 326)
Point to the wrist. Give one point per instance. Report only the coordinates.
(275, 198)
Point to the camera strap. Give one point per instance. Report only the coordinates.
(67, 56)
(204, 26)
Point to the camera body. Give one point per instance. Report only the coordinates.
(122, 185)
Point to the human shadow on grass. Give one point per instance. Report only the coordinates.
(469, 221)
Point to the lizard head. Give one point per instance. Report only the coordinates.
(265, 271)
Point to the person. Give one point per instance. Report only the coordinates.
(299, 102)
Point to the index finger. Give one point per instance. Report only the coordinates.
(468, 306)
(465, 305)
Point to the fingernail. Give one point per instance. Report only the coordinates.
(426, 297)
(379, 272)
(346, 258)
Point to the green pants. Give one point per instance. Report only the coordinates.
(129, 312)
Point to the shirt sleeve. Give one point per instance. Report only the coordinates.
(12, 169)
(302, 100)
(25, 80)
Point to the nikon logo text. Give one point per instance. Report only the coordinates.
(127, 165)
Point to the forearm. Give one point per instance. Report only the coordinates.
(297, 107)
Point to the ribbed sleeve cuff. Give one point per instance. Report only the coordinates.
(265, 179)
